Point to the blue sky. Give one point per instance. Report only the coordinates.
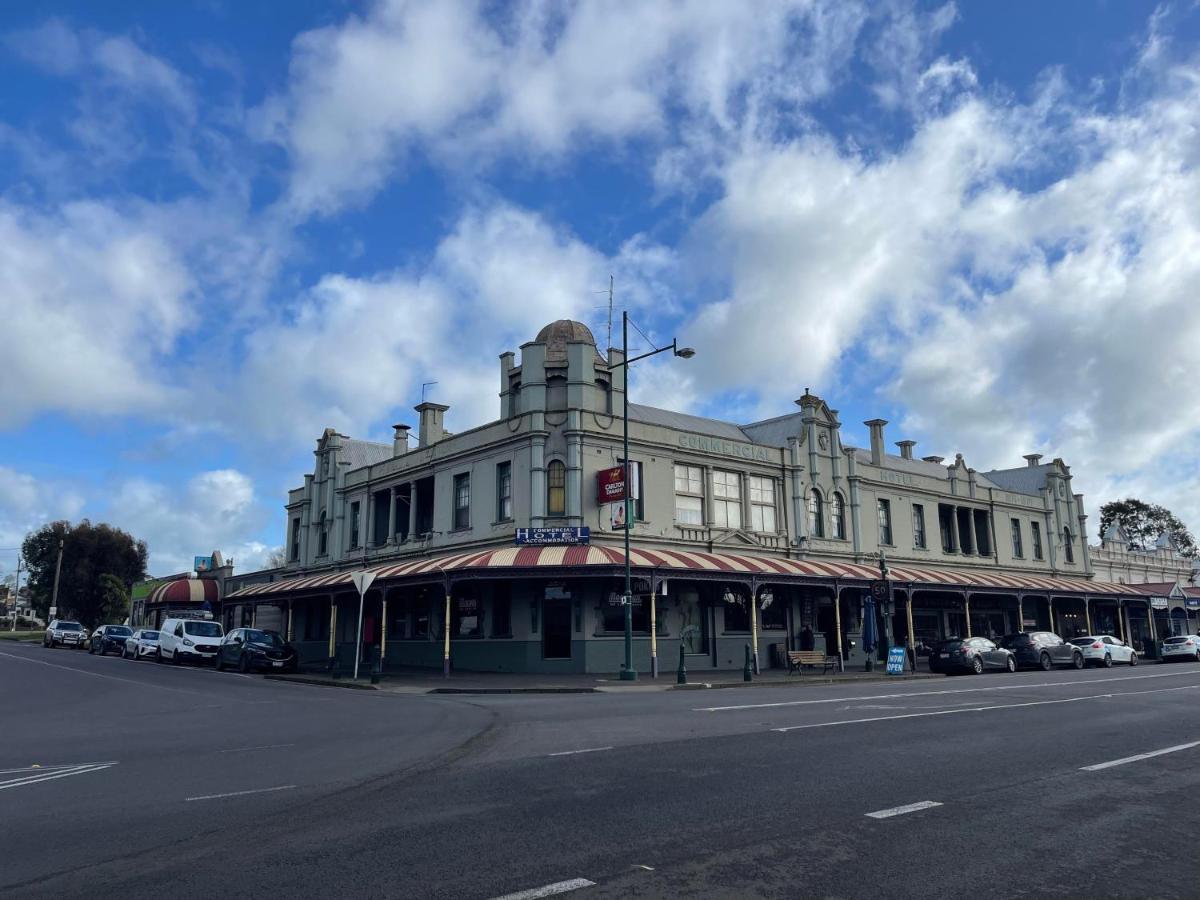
(226, 226)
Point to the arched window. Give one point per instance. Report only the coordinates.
(816, 514)
(1068, 546)
(837, 511)
(323, 538)
(556, 488)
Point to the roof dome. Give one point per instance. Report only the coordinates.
(558, 334)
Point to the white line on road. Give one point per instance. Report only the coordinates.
(941, 712)
(1002, 687)
(573, 752)
(38, 779)
(263, 747)
(1129, 759)
(147, 684)
(548, 890)
(901, 810)
(33, 770)
(282, 787)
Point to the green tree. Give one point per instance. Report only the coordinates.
(114, 599)
(89, 553)
(1144, 522)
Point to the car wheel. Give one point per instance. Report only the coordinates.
(1011, 664)
(977, 665)
(1045, 662)
(244, 664)
(1133, 659)
(1078, 660)
(1107, 660)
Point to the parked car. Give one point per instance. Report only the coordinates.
(970, 655)
(1104, 650)
(109, 637)
(253, 648)
(64, 634)
(1181, 647)
(143, 642)
(1042, 649)
(189, 640)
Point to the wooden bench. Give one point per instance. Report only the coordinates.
(797, 659)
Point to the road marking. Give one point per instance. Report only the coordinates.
(573, 752)
(263, 747)
(902, 810)
(51, 776)
(1004, 687)
(282, 787)
(941, 712)
(148, 684)
(1129, 759)
(548, 890)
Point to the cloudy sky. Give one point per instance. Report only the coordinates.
(227, 225)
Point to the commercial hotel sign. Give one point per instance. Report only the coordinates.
(725, 448)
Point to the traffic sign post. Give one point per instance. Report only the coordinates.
(362, 582)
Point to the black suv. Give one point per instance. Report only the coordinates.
(109, 637)
(1042, 649)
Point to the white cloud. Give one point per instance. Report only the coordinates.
(27, 503)
(92, 300)
(469, 81)
(214, 510)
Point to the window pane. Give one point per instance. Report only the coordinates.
(689, 510)
(556, 480)
(727, 484)
(728, 514)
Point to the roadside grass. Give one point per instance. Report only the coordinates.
(21, 635)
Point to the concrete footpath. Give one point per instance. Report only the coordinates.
(426, 682)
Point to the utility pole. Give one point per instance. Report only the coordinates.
(57, 572)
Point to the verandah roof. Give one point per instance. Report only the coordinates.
(557, 560)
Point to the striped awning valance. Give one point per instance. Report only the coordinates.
(558, 560)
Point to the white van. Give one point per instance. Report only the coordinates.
(189, 640)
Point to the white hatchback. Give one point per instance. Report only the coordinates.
(1183, 646)
(142, 643)
(1104, 650)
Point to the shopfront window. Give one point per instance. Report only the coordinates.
(762, 503)
(737, 612)
(774, 614)
(613, 612)
(693, 629)
(727, 499)
(689, 495)
(465, 618)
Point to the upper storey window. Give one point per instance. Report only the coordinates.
(762, 503)
(727, 499)
(556, 488)
(689, 495)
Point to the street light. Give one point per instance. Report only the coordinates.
(628, 673)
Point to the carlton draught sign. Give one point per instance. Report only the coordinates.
(610, 485)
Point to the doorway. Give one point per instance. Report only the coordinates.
(556, 628)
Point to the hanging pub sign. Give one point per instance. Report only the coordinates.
(610, 485)
(549, 536)
(1158, 602)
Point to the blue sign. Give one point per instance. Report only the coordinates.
(1192, 602)
(545, 536)
(203, 564)
(896, 658)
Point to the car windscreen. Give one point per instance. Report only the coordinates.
(149, 636)
(203, 629)
(69, 626)
(1174, 640)
(269, 638)
(1083, 642)
(951, 644)
(119, 631)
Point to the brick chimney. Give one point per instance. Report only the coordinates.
(432, 427)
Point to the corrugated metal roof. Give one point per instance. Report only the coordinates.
(364, 453)
(666, 418)
(1023, 480)
(775, 432)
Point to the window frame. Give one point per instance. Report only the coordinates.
(1068, 546)
(294, 545)
(689, 494)
(355, 524)
(462, 511)
(1018, 541)
(883, 507)
(556, 471)
(920, 535)
(504, 492)
(723, 503)
(1035, 536)
(837, 515)
(764, 485)
(816, 513)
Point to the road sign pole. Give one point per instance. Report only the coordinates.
(362, 581)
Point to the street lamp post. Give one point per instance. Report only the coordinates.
(628, 672)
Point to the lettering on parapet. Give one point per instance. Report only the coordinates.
(897, 478)
(728, 448)
(1021, 500)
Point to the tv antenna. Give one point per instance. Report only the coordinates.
(426, 384)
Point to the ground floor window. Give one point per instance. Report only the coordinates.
(613, 611)
(465, 613)
(502, 611)
(774, 617)
(693, 626)
(737, 612)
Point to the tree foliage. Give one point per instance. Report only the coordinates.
(90, 552)
(1144, 522)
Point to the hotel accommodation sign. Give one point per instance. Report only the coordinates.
(549, 536)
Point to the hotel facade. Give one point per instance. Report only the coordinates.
(501, 548)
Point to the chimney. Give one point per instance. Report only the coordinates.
(933, 459)
(400, 440)
(906, 448)
(1032, 459)
(876, 426)
(432, 428)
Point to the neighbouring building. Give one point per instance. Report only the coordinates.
(1119, 559)
(508, 537)
(193, 594)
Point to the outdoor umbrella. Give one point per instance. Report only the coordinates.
(870, 636)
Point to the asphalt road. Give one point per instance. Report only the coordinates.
(157, 781)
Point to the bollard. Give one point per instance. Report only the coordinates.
(681, 674)
(747, 672)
